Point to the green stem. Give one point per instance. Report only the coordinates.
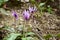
(41, 12)
(24, 29)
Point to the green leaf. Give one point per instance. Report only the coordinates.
(58, 35)
(29, 38)
(30, 33)
(2, 1)
(10, 29)
(5, 0)
(48, 36)
(3, 11)
(24, 38)
(32, 1)
(41, 4)
(12, 36)
(49, 9)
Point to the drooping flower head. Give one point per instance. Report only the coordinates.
(32, 9)
(35, 8)
(26, 14)
(14, 14)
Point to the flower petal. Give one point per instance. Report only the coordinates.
(26, 14)
(14, 14)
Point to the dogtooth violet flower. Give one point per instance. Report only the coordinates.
(15, 14)
(26, 14)
(32, 9)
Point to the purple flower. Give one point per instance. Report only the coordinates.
(26, 14)
(14, 14)
(32, 9)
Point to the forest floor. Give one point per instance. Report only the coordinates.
(46, 24)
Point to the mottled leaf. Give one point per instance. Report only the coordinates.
(12, 36)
